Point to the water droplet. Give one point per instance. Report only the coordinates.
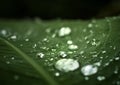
(35, 45)
(45, 40)
(97, 64)
(62, 54)
(87, 42)
(69, 42)
(48, 30)
(106, 64)
(86, 38)
(103, 51)
(13, 58)
(57, 74)
(51, 59)
(16, 77)
(94, 56)
(3, 32)
(82, 52)
(86, 78)
(21, 45)
(90, 25)
(40, 55)
(94, 43)
(73, 47)
(84, 30)
(13, 37)
(116, 70)
(117, 58)
(64, 31)
(89, 70)
(66, 65)
(26, 39)
(7, 62)
(101, 78)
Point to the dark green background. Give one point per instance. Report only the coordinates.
(52, 9)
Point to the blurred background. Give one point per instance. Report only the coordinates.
(54, 9)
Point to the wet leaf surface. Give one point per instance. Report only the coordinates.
(30, 50)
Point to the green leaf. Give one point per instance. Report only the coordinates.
(21, 41)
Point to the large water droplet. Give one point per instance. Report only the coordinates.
(89, 70)
(64, 31)
(66, 65)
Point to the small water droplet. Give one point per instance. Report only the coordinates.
(66, 65)
(69, 42)
(90, 25)
(21, 45)
(62, 54)
(27, 40)
(86, 78)
(48, 30)
(35, 45)
(57, 74)
(97, 64)
(3, 32)
(13, 37)
(94, 43)
(94, 56)
(13, 58)
(87, 42)
(82, 52)
(88, 70)
(117, 58)
(86, 38)
(116, 70)
(101, 78)
(73, 47)
(64, 31)
(16, 77)
(40, 55)
(103, 51)
(7, 62)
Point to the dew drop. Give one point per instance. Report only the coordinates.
(73, 47)
(26, 39)
(86, 78)
(89, 70)
(7, 62)
(103, 51)
(66, 65)
(117, 58)
(82, 52)
(13, 37)
(57, 74)
(64, 31)
(16, 77)
(69, 42)
(35, 45)
(40, 55)
(3, 32)
(62, 54)
(101, 78)
(94, 43)
(97, 64)
(13, 58)
(90, 25)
